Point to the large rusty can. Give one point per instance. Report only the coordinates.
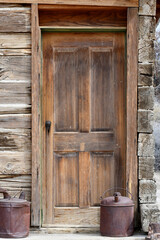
(14, 216)
(116, 215)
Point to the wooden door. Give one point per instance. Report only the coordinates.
(84, 149)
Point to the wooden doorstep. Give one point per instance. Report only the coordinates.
(69, 230)
(68, 226)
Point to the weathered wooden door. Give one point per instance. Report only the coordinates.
(84, 98)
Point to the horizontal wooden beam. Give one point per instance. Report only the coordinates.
(115, 3)
(80, 17)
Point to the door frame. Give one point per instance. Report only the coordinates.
(131, 111)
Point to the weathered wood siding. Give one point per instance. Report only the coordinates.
(15, 98)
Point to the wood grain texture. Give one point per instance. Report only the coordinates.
(13, 89)
(21, 100)
(84, 17)
(84, 90)
(48, 166)
(84, 179)
(15, 52)
(15, 97)
(14, 184)
(13, 5)
(103, 168)
(10, 121)
(77, 216)
(15, 140)
(117, 3)
(65, 90)
(15, 40)
(84, 142)
(102, 91)
(15, 68)
(132, 53)
(15, 162)
(14, 108)
(67, 188)
(15, 19)
(84, 126)
(36, 118)
(79, 72)
(56, 229)
(119, 105)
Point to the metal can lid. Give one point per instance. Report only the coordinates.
(117, 201)
(14, 202)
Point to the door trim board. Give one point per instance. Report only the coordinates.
(131, 151)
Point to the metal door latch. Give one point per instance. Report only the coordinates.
(48, 125)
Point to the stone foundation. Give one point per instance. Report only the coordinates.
(146, 99)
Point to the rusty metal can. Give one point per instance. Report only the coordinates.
(116, 215)
(14, 216)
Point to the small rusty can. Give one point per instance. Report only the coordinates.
(116, 215)
(14, 216)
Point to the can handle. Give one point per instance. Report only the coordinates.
(5, 193)
(116, 188)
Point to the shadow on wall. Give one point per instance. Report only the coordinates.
(156, 125)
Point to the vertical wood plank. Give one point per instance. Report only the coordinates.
(132, 72)
(36, 134)
(84, 126)
(119, 103)
(84, 179)
(83, 77)
(47, 157)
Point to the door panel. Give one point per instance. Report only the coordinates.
(66, 175)
(65, 89)
(84, 98)
(101, 163)
(102, 91)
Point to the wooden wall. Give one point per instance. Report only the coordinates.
(15, 98)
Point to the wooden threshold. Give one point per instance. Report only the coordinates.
(71, 230)
(68, 226)
(115, 3)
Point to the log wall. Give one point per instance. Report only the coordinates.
(15, 98)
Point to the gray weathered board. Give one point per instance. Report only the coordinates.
(15, 98)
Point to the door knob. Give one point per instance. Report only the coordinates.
(48, 125)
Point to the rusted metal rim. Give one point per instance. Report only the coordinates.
(117, 205)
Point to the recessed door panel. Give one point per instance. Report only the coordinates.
(66, 89)
(66, 176)
(102, 90)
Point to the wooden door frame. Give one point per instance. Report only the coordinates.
(115, 3)
(131, 111)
